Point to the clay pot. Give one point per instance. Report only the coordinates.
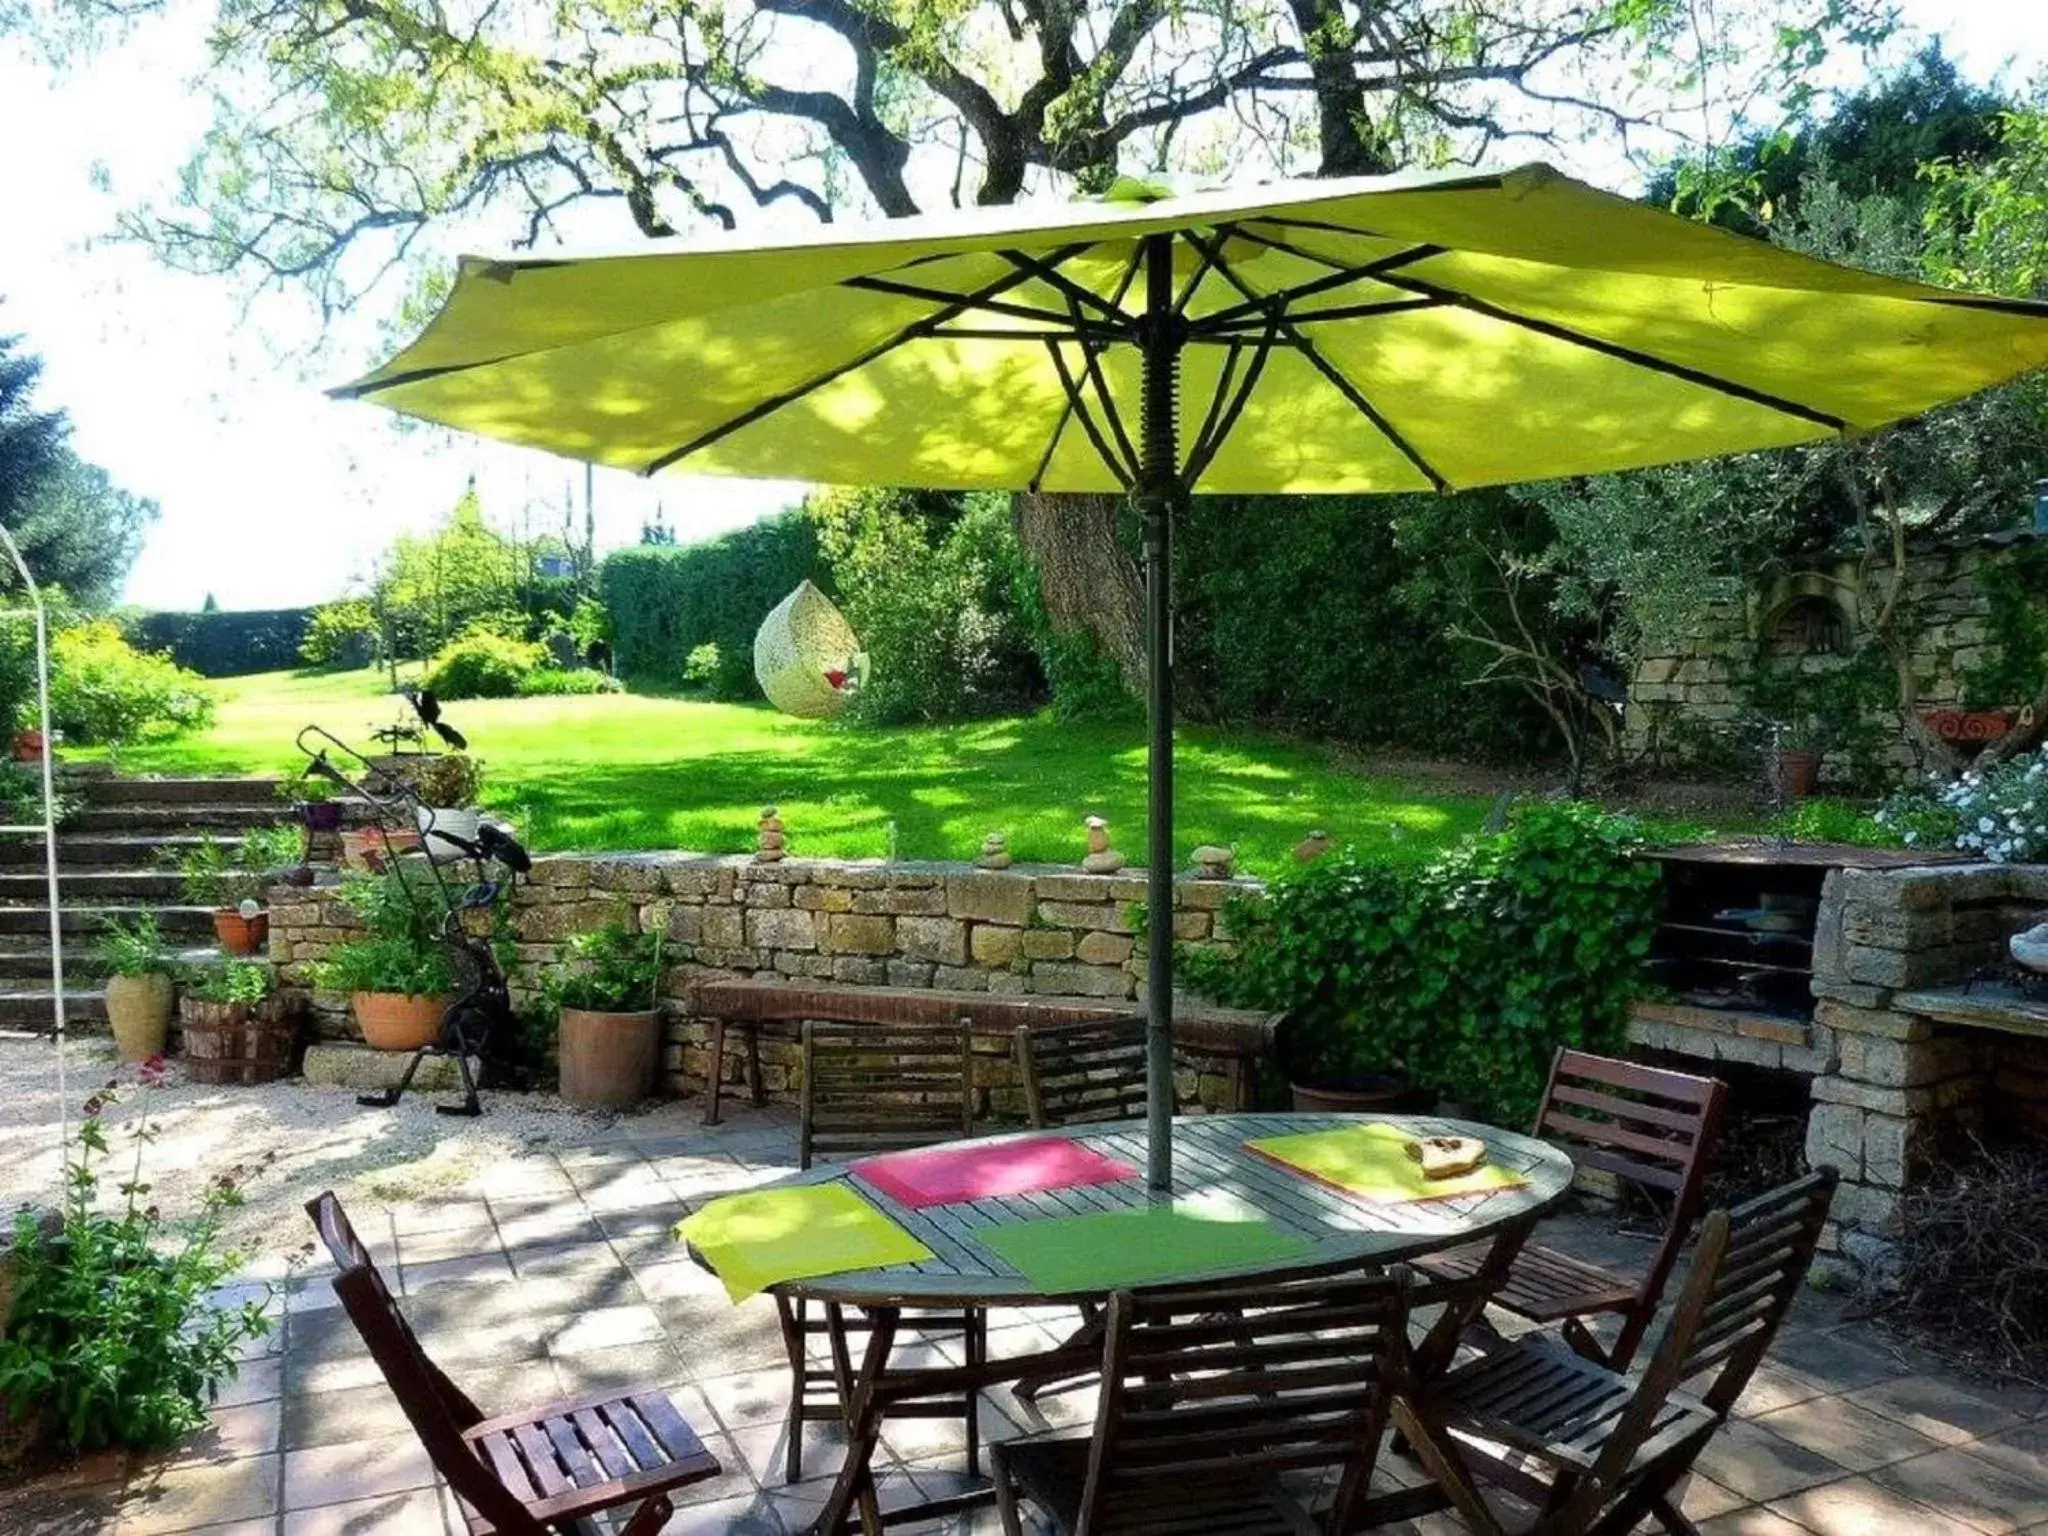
(372, 847)
(396, 1021)
(1797, 770)
(28, 746)
(241, 935)
(139, 1008)
(608, 1060)
(1380, 1095)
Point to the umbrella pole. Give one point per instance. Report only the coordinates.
(1159, 492)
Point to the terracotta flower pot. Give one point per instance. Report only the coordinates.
(608, 1060)
(139, 1008)
(372, 847)
(397, 1021)
(28, 746)
(1796, 771)
(241, 935)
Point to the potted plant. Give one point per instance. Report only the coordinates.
(447, 785)
(138, 986)
(607, 991)
(397, 977)
(1792, 765)
(236, 1030)
(314, 800)
(233, 881)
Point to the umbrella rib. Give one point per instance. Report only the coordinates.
(1211, 442)
(1362, 311)
(1091, 359)
(1564, 333)
(1199, 456)
(1077, 403)
(922, 326)
(1059, 430)
(1343, 277)
(987, 306)
(1049, 274)
(1343, 386)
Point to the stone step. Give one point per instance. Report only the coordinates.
(172, 921)
(32, 962)
(187, 792)
(103, 850)
(35, 1008)
(91, 887)
(224, 817)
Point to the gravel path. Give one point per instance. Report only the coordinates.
(287, 1141)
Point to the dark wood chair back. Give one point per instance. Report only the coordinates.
(1653, 1127)
(1076, 1074)
(1746, 1274)
(883, 1088)
(1207, 1390)
(438, 1410)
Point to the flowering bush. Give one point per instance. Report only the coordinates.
(112, 1338)
(2001, 813)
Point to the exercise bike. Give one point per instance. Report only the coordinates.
(482, 1004)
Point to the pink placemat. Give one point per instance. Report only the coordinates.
(949, 1175)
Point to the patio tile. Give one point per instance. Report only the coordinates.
(672, 1279)
(2022, 1449)
(355, 1469)
(752, 1514)
(331, 1418)
(1761, 1466)
(1839, 1362)
(748, 1398)
(181, 1498)
(1948, 1410)
(546, 1260)
(416, 1512)
(1849, 1436)
(628, 1367)
(604, 1328)
(335, 1375)
(733, 1479)
(1858, 1507)
(1753, 1521)
(254, 1381)
(245, 1429)
(1985, 1494)
(1773, 1387)
(1704, 1498)
(470, 1269)
(420, 1216)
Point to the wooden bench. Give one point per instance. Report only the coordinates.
(1235, 1036)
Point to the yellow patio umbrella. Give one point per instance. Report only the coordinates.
(1404, 333)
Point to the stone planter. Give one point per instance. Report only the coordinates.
(239, 935)
(1387, 1095)
(396, 1021)
(608, 1060)
(139, 1008)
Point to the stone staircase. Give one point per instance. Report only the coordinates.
(114, 858)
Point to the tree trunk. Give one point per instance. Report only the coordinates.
(1090, 583)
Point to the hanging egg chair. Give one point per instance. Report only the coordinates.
(806, 657)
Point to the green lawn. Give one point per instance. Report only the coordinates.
(626, 771)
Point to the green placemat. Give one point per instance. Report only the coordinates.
(766, 1236)
(1103, 1251)
(1372, 1160)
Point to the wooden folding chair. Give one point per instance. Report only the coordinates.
(522, 1474)
(1078, 1074)
(1653, 1127)
(1221, 1410)
(1598, 1451)
(871, 1088)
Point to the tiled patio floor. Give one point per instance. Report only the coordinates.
(555, 1275)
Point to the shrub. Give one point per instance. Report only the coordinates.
(482, 666)
(700, 667)
(112, 1339)
(238, 981)
(221, 644)
(2000, 813)
(1467, 973)
(926, 582)
(341, 636)
(665, 602)
(561, 681)
(215, 875)
(607, 970)
(105, 692)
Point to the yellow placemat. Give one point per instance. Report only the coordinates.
(1372, 1160)
(766, 1236)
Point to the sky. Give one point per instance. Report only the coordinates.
(273, 495)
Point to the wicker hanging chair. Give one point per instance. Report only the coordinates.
(806, 657)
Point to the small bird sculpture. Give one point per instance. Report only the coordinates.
(428, 708)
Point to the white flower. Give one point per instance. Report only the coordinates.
(1986, 824)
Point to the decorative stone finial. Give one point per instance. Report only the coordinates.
(1101, 859)
(995, 852)
(1213, 862)
(1312, 847)
(771, 849)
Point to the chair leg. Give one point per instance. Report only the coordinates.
(714, 1073)
(1006, 1493)
(791, 1315)
(755, 1092)
(649, 1518)
(977, 1355)
(1442, 1463)
(1028, 1389)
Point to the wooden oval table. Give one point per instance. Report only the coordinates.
(1211, 1165)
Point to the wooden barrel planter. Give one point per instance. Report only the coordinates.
(609, 1060)
(230, 1043)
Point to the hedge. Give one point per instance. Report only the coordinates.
(665, 602)
(225, 644)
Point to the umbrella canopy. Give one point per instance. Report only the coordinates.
(1391, 334)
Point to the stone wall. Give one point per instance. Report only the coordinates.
(1686, 699)
(1027, 930)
